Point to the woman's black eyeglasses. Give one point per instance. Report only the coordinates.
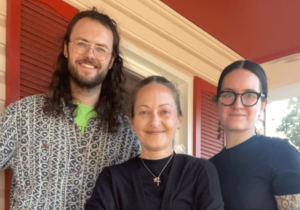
(248, 99)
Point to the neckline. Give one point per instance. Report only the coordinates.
(158, 161)
(240, 144)
(83, 105)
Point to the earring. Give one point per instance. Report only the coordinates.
(219, 130)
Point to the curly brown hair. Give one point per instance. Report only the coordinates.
(110, 104)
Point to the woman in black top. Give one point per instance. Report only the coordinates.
(157, 178)
(256, 172)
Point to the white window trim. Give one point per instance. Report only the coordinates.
(146, 65)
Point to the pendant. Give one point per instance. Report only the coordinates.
(157, 180)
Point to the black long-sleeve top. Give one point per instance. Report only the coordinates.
(187, 183)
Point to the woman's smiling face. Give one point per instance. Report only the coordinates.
(238, 117)
(155, 117)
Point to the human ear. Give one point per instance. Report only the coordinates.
(111, 62)
(263, 106)
(180, 118)
(131, 122)
(66, 54)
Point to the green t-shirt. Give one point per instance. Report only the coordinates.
(82, 115)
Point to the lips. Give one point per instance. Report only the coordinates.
(89, 66)
(88, 63)
(237, 115)
(154, 132)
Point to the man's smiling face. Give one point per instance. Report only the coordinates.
(86, 71)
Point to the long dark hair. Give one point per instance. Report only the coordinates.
(110, 104)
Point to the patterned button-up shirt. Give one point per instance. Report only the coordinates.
(54, 166)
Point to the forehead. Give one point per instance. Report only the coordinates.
(240, 80)
(154, 93)
(92, 31)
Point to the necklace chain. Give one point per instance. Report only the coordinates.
(157, 178)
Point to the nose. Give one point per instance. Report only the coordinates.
(238, 102)
(154, 120)
(90, 53)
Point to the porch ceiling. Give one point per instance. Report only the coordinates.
(257, 30)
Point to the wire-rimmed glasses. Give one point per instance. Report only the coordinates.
(248, 99)
(81, 47)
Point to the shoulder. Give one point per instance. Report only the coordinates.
(198, 169)
(123, 120)
(24, 104)
(277, 145)
(280, 154)
(124, 124)
(30, 100)
(121, 167)
(265, 140)
(193, 162)
(217, 157)
(125, 131)
(40, 98)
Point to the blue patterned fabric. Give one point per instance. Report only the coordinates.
(54, 166)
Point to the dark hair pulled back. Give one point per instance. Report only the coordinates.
(157, 80)
(247, 65)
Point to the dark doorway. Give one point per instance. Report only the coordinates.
(132, 78)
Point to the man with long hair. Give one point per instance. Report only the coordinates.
(58, 143)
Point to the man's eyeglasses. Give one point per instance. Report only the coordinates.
(81, 47)
(248, 99)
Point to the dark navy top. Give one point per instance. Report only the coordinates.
(253, 172)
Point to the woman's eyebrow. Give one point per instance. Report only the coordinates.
(166, 104)
(250, 90)
(246, 90)
(227, 89)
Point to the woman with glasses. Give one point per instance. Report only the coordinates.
(256, 172)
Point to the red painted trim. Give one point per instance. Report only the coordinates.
(200, 85)
(8, 180)
(59, 6)
(13, 30)
(12, 77)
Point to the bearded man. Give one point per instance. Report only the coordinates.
(58, 143)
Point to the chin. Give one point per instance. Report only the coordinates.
(235, 127)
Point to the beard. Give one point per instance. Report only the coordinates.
(83, 82)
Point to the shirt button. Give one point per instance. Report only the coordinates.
(81, 150)
(78, 172)
(76, 126)
(75, 194)
(45, 146)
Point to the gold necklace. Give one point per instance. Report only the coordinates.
(157, 179)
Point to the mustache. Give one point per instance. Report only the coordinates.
(88, 61)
